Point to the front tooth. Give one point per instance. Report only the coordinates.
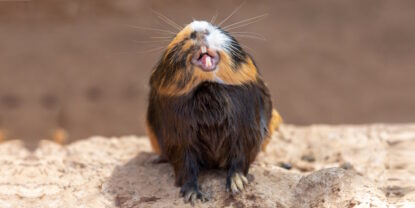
(208, 61)
(204, 49)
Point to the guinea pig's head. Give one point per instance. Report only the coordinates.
(202, 52)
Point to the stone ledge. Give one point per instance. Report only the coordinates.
(331, 166)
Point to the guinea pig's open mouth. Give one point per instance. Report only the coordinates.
(206, 59)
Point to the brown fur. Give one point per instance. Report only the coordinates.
(200, 120)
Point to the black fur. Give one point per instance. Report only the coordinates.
(237, 53)
(214, 126)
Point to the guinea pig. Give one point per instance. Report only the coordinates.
(209, 108)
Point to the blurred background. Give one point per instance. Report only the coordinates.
(70, 69)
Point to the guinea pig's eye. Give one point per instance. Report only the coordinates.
(193, 35)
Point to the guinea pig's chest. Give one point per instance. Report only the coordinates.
(213, 106)
(218, 114)
(214, 103)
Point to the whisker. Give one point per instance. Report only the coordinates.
(149, 28)
(167, 38)
(140, 52)
(249, 48)
(243, 32)
(234, 48)
(234, 11)
(212, 21)
(245, 22)
(244, 46)
(237, 50)
(240, 26)
(150, 41)
(168, 20)
(250, 36)
(154, 49)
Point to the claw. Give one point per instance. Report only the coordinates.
(188, 196)
(191, 195)
(193, 199)
(244, 179)
(238, 182)
(234, 188)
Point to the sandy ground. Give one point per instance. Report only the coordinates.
(316, 166)
(75, 64)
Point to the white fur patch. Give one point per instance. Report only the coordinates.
(216, 39)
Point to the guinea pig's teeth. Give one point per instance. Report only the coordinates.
(204, 50)
(208, 61)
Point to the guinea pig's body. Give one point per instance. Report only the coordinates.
(208, 108)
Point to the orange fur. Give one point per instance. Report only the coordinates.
(187, 45)
(153, 139)
(173, 90)
(179, 37)
(274, 124)
(246, 73)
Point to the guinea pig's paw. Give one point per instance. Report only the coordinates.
(236, 183)
(191, 194)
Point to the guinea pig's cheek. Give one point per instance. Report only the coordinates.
(224, 60)
(187, 46)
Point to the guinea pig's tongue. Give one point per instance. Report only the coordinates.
(206, 61)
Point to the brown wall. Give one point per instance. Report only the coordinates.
(76, 65)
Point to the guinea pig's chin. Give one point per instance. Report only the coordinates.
(206, 60)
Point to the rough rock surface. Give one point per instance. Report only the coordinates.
(317, 166)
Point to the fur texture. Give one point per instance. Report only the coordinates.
(200, 119)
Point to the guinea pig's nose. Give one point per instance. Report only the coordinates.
(200, 35)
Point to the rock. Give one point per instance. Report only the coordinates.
(353, 166)
(336, 187)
